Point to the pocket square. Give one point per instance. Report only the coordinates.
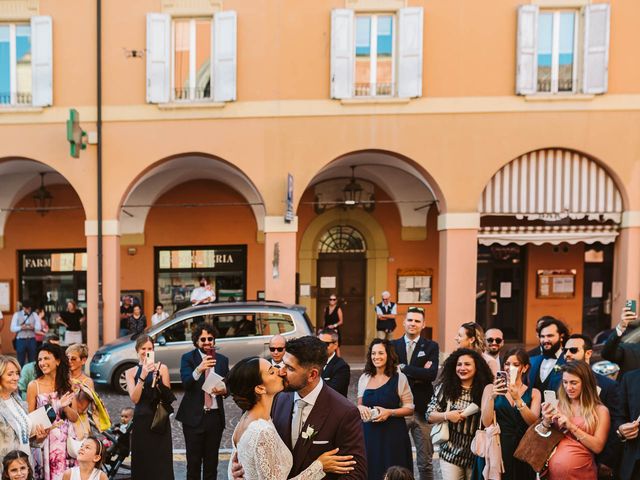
(320, 442)
(421, 354)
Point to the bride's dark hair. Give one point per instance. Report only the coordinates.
(242, 381)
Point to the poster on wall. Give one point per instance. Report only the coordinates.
(5, 295)
(556, 283)
(414, 285)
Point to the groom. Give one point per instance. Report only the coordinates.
(311, 417)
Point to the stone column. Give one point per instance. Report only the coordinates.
(458, 269)
(626, 270)
(280, 258)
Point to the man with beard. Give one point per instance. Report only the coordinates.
(494, 339)
(311, 417)
(545, 372)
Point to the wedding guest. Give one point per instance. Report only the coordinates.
(333, 317)
(72, 319)
(137, 322)
(90, 459)
(77, 355)
(159, 314)
(25, 323)
(471, 335)
(16, 466)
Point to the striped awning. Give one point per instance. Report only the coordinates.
(552, 184)
(554, 235)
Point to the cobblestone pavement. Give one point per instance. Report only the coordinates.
(115, 403)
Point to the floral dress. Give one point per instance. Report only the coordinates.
(51, 461)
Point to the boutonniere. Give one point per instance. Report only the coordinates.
(309, 433)
(556, 368)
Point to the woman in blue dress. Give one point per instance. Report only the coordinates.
(516, 406)
(384, 399)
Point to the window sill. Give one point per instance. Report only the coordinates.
(189, 105)
(578, 97)
(20, 109)
(375, 101)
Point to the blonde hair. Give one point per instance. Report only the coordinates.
(589, 399)
(80, 348)
(475, 332)
(5, 360)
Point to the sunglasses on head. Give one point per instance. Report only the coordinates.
(206, 339)
(276, 349)
(573, 350)
(497, 341)
(415, 310)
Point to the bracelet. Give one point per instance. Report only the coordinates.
(580, 438)
(521, 407)
(445, 417)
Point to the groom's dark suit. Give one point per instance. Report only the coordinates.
(337, 423)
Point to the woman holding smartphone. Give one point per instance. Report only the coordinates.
(148, 384)
(583, 419)
(515, 407)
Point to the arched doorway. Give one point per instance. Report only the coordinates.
(342, 271)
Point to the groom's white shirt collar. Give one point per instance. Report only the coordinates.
(312, 396)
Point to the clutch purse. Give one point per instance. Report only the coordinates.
(440, 431)
(535, 449)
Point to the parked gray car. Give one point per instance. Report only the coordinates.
(244, 329)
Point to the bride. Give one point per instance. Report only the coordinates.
(253, 382)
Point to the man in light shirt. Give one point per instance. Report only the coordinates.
(25, 323)
(203, 294)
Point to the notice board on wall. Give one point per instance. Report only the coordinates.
(556, 283)
(415, 285)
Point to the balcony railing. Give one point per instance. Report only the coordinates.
(186, 93)
(21, 98)
(374, 89)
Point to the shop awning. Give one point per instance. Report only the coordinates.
(554, 235)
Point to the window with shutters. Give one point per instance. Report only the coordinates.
(191, 59)
(557, 47)
(374, 58)
(15, 64)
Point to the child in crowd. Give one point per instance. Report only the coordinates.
(398, 473)
(16, 466)
(90, 459)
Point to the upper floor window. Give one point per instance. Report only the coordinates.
(563, 51)
(191, 59)
(375, 55)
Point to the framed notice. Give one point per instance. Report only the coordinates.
(5, 295)
(556, 283)
(415, 285)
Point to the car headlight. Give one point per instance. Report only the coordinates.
(99, 358)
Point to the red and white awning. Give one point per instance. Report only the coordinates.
(556, 234)
(552, 184)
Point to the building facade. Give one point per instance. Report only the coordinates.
(479, 161)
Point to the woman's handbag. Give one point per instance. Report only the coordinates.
(479, 442)
(535, 448)
(160, 419)
(440, 431)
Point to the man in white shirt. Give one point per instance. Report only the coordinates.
(24, 324)
(203, 294)
(386, 312)
(494, 339)
(160, 314)
(277, 346)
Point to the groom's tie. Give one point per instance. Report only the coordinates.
(297, 421)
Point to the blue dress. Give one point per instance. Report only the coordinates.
(387, 443)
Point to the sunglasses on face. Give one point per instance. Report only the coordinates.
(332, 299)
(276, 349)
(329, 342)
(497, 341)
(206, 339)
(573, 350)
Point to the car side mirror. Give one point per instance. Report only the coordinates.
(161, 340)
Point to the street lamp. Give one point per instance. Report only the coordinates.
(42, 198)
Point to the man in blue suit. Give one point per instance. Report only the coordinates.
(202, 413)
(628, 432)
(545, 372)
(579, 348)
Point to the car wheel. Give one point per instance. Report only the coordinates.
(119, 381)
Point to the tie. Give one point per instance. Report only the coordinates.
(410, 346)
(208, 399)
(297, 421)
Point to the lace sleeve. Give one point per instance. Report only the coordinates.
(270, 465)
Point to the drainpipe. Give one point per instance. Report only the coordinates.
(99, 164)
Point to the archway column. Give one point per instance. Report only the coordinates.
(458, 270)
(626, 274)
(280, 258)
(110, 282)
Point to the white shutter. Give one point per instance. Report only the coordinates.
(527, 58)
(342, 53)
(224, 56)
(158, 57)
(410, 26)
(41, 61)
(596, 48)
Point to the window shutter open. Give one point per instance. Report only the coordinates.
(158, 57)
(527, 58)
(342, 53)
(224, 56)
(41, 61)
(596, 48)
(410, 25)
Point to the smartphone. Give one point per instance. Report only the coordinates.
(502, 375)
(631, 305)
(550, 397)
(211, 352)
(150, 357)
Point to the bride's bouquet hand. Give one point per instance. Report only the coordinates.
(332, 463)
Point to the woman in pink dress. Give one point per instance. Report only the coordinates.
(584, 421)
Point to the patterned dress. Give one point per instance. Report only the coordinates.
(51, 461)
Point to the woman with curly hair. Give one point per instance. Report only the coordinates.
(384, 398)
(471, 335)
(464, 376)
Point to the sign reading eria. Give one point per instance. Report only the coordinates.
(210, 258)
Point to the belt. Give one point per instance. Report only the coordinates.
(211, 410)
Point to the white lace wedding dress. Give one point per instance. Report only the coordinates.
(264, 456)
